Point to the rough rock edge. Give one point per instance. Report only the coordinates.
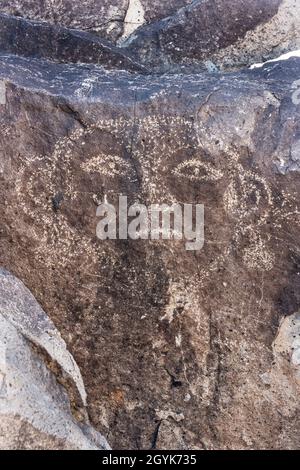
(44, 342)
(38, 328)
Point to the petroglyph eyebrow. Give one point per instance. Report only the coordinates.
(196, 170)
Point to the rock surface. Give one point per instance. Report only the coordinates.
(173, 35)
(35, 408)
(221, 33)
(107, 18)
(40, 40)
(104, 17)
(177, 349)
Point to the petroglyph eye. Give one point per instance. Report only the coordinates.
(107, 165)
(195, 170)
(248, 194)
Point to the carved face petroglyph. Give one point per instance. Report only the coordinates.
(120, 156)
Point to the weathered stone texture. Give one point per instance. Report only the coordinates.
(162, 336)
(227, 34)
(107, 18)
(176, 34)
(176, 349)
(104, 17)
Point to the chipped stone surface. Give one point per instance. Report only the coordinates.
(35, 409)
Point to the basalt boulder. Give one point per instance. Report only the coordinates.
(219, 34)
(58, 44)
(177, 349)
(42, 395)
(103, 17)
(111, 19)
(172, 35)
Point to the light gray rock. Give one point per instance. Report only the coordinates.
(176, 349)
(39, 380)
(104, 17)
(111, 19)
